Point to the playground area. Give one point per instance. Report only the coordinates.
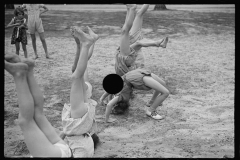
(199, 62)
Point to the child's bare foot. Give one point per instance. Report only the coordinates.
(76, 38)
(131, 6)
(92, 34)
(158, 43)
(128, 6)
(16, 69)
(83, 37)
(12, 58)
(164, 43)
(30, 63)
(36, 57)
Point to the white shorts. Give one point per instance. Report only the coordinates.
(65, 150)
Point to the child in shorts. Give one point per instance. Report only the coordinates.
(34, 12)
(78, 117)
(140, 79)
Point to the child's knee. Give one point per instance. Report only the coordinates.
(38, 114)
(23, 122)
(77, 77)
(124, 30)
(166, 93)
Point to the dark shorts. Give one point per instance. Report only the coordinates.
(135, 77)
(22, 36)
(120, 62)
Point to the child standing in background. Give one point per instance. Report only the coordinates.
(35, 24)
(19, 32)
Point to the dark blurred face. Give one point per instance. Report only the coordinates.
(20, 15)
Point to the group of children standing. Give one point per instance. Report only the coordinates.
(79, 138)
(32, 25)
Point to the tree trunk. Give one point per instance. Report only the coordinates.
(160, 7)
(9, 6)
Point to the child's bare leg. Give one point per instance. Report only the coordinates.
(125, 42)
(33, 37)
(37, 95)
(162, 82)
(138, 21)
(17, 47)
(90, 52)
(24, 50)
(77, 54)
(154, 96)
(156, 93)
(128, 9)
(164, 43)
(149, 43)
(76, 94)
(95, 36)
(152, 83)
(44, 43)
(34, 138)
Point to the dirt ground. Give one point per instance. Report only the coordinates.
(198, 62)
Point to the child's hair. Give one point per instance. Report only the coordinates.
(18, 10)
(120, 107)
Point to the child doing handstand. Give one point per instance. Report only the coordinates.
(131, 58)
(78, 118)
(39, 135)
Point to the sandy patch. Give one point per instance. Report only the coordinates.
(198, 120)
(198, 62)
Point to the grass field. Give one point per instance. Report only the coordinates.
(198, 62)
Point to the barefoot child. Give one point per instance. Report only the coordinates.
(129, 55)
(135, 34)
(78, 118)
(39, 135)
(19, 32)
(86, 85)
(34, 12)
(129, 58)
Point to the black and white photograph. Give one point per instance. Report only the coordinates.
(119, 80)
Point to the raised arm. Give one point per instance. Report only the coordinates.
(109, 108)
(24, 9)
(10, 25)
(24, 24)
(45, 9)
